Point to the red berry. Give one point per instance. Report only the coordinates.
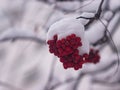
(67, 50)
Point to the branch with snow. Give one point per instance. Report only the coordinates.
(14, 34)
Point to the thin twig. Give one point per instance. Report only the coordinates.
(117, 53)
(96, 17)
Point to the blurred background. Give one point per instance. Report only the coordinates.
(25, 61)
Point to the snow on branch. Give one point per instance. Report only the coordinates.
(13, 35)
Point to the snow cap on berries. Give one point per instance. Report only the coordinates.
(66, 39)
(66, 27)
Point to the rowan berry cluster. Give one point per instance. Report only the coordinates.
(67, 50)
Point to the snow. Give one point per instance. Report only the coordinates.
(96, 32)
(57, 15)
(14, 4)
(89, 6)
(114, 21)
(84, 85)
(35, 10)
(108, 15)
(86, 15)
(65, 27)
(4, 21)
(12, 32)
(114, 4)
(68, 5)
(115, 38)
(85, 48)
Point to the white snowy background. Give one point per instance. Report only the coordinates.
(25, 61)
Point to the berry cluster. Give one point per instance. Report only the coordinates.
(67, 50)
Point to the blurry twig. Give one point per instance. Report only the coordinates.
(30, 38)
(62, 83)
(114, 45)
(79, 78)
(85, 4)
(81, 75)
(97, 71)
(104, 82)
